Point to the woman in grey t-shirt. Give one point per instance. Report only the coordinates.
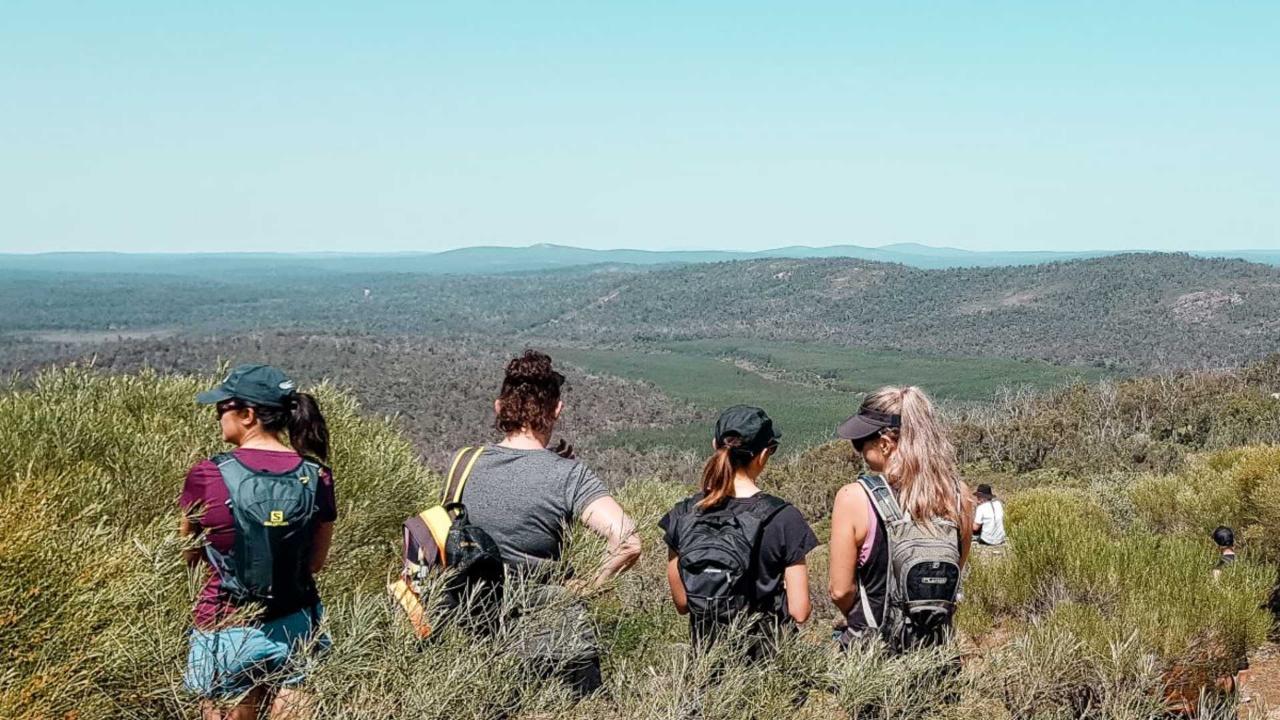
(526, 496)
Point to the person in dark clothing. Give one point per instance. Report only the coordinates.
(773, 590)
(1225, 538)
(898, 434)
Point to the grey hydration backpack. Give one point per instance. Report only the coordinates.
(275, 520)
(924, 573)
(718, 548)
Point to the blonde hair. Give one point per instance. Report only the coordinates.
(922, 470)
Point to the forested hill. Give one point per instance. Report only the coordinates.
(1131, 311)
(1149, 310)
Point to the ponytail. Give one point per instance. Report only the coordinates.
(308, 431)
(302, 421)
(923, 467)
(718, 473)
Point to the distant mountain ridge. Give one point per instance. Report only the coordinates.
(1152, 311)
(497, 259)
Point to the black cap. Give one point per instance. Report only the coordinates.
(984, 490)
(751, 424)
(866, 423)
(256, 384)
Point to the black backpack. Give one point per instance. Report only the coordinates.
(718, 549)
(442, 539)
(275, 521)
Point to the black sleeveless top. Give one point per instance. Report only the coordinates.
(873, 578)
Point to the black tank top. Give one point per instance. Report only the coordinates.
(873, 578)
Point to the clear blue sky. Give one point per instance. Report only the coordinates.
(147, 126)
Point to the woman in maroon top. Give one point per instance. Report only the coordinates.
(234, 656)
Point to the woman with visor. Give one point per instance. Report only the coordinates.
(899, 437)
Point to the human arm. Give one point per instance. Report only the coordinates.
(678, 596)
(327, 514)
(191, 504)
(797, 581)
(320, 543)
(979, 517)
(605, 517)
(968, 527)
(848, 532)
(187, 528)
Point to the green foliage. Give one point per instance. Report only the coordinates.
(95, 599)
(1239, 488)
(807, 387)
(1134, 311)
(1072, 567)
(1143, 422)
(95, 596)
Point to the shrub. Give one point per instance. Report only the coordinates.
(95, 600)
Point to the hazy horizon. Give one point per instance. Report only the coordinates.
(153, 127)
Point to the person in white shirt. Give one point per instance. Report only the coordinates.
(988, 518)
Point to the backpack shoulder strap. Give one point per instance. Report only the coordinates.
(886, 504)
(768, 506)
(459, 473)
(233, 472)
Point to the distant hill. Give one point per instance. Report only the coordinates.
(1124, 311)
(485, 260)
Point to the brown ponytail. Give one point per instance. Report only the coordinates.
(530, 394)
(718, 473)
(301, 420)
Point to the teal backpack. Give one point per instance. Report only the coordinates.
(275, 521)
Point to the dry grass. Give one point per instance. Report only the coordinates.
(95, 602)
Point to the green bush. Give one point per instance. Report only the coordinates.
(95, 600)
(1103, 586)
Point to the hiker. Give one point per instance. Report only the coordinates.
(734, 551)
(1225, 538)
(524, 496)
(258, 614)
(900, 535)
(988, 519)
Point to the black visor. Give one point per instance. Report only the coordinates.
(867, 423)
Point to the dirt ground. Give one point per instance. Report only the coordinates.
(1261, 692)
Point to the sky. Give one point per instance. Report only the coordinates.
(419, 126)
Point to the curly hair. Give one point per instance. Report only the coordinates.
(530, 394)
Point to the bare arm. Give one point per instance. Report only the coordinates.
(187, 529)
(968, 527)
(678, 597)
(848, 532)
(796, 578)
(320, 543)
(606, 518)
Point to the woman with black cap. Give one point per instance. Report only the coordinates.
(902, 443)
(735, 553)
(264, 514)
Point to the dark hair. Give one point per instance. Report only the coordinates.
(1224, 536)
(301, 419)
(530, 393)
(718, 473)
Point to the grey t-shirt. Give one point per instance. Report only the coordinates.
(526, 499)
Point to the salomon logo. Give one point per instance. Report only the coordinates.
(277, 519)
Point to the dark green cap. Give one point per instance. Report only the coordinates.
(255, 384)
(751, 424)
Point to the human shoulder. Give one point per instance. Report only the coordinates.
(850, 496)
(201, 478)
